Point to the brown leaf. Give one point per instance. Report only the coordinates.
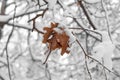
(54, 25)
(48, 32)
(63, 39)
(56, 40)
(53, 44)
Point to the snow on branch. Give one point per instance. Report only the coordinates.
(4, 18)
(92, 1)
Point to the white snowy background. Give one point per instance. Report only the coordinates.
(25, 49)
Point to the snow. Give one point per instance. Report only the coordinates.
(92, 1)
(105, 36)
(60, 64)
(51, 3)
(72, 38)
(4, 18)
(104, 50)
(58, 30)
(114, 1)
(62, 24)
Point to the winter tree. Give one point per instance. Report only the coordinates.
(59, 40)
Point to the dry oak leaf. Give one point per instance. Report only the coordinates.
(63, 40)
(53, 44)
(48, 31)
(55, 39)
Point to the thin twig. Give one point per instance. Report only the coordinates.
(7, 55)
(20, 26)
(60, 4)
(103, 66)
(28, 43)
(107, 20)
(38, 3)
(104, 70)
(47, 57)
(88, 69)
(85, 12)
(85, 57)
(45, 1)
(85, 30)
(33, 19)
(1, 78)
(27, 13)
(86, 43)
(47, 72)
(94, 58)
(9, 70)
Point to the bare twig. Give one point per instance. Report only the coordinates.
(47, 57)
(107, 20)
(88, 69)
(85, 12)
(85, 57)
(9, 37)
(26, 13)
(85, 30)
(20, 26)
(60, 4)
(104, 70)
(45, 1)
(38, 3)
(47, 72)
(94, 58)
(86, 43)
(1, 78)
(9, 70)
(103, 66)
(34, 28)
(28, 43)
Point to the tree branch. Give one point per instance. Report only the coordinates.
(27, 27)
(85, 12)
